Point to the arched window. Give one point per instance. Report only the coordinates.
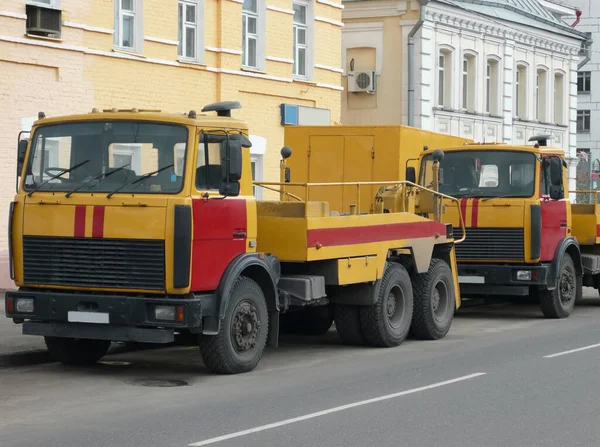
(541, 94)
(468, 82)
(444, 95)
(520, 103)
(559, 98)
(492, 86)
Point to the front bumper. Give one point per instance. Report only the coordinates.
(105, 316)
(492, 279)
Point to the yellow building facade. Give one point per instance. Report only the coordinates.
(68, 56)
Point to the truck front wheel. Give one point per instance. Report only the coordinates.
(559, 303)
(239, 345)
(79, 352)
(434, 302)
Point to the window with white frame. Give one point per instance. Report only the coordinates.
(492, 87)
(468, 80)
(521, 92)
(250, 33)
(55, 4)
(301, 39)
(128, 24)
(584, 118)
(540, 95)
(190, 29)
(584, 81)
(257, 174)
(559, 94)
(444, 78)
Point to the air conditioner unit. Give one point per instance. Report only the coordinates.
(43, 21)
(362, 81)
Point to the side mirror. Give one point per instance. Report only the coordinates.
(411, 174)
(555, 171)
(231, 164)
(21, 151)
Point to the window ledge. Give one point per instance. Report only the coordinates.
(51, 39)
(304, 81)
(253, 70)
(129, 52)
(191, 62)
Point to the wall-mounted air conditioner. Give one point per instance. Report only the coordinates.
(362, 81)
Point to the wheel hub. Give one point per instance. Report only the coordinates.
(435, 300)
(245, 327)
(391, 305)
(567, 286)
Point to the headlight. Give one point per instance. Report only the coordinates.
(164, 313)
(24, 305)
(524, 275)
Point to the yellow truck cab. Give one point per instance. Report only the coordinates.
(140, 225)
(522, 237)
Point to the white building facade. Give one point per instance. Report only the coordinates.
(488, 70)
(499, 80)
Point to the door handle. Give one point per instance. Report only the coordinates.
(239, 235)
(563, 223)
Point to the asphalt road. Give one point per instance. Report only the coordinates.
(494, 381)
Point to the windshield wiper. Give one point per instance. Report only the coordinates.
(60, 174)
(141, 179)
(105, 174)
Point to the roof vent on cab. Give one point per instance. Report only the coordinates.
(541, 140)
(222, 108)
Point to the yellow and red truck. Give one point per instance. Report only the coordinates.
(137, 225)
(525, 239)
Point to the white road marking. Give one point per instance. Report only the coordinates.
(332, 410)
(597, 345)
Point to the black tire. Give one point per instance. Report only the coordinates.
(234, 350)
(77, 352)
(315, 320)
(435, 302)
(348, 325)
(559, 303)
(381, 323)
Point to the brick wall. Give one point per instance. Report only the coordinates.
(81, 71)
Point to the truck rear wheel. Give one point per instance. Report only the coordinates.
(239, 345)
(387, 322)
(434, 302)
(79, 352)
(348, 325)
(559, 303)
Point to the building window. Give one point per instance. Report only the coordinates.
(257, 175)
(444, 79)
(249, 32)
(492, 87)
(540, 95)
(521, 92)
(468, 81)
(126, 155)
(128, 25)
(302, 39)
(559, 102)
(584, 81)
(190, 29)
(583, 120)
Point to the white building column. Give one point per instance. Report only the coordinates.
(508, 82)
(425, 84)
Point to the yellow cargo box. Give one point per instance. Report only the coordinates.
(331, 154)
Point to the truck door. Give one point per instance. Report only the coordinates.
(554, 214)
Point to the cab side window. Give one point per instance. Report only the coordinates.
(208, 167)
(546, 177)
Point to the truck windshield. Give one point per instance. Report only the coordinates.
(105, 155)
(486, 173)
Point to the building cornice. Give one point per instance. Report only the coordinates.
(374, 8)
(483, 29)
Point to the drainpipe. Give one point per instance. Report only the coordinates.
(587, 46)
(411, 60)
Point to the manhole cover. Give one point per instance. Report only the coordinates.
(158, 382)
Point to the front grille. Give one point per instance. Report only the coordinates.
(100, 263)
(494, 244)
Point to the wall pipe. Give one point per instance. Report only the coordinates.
(411, 61)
